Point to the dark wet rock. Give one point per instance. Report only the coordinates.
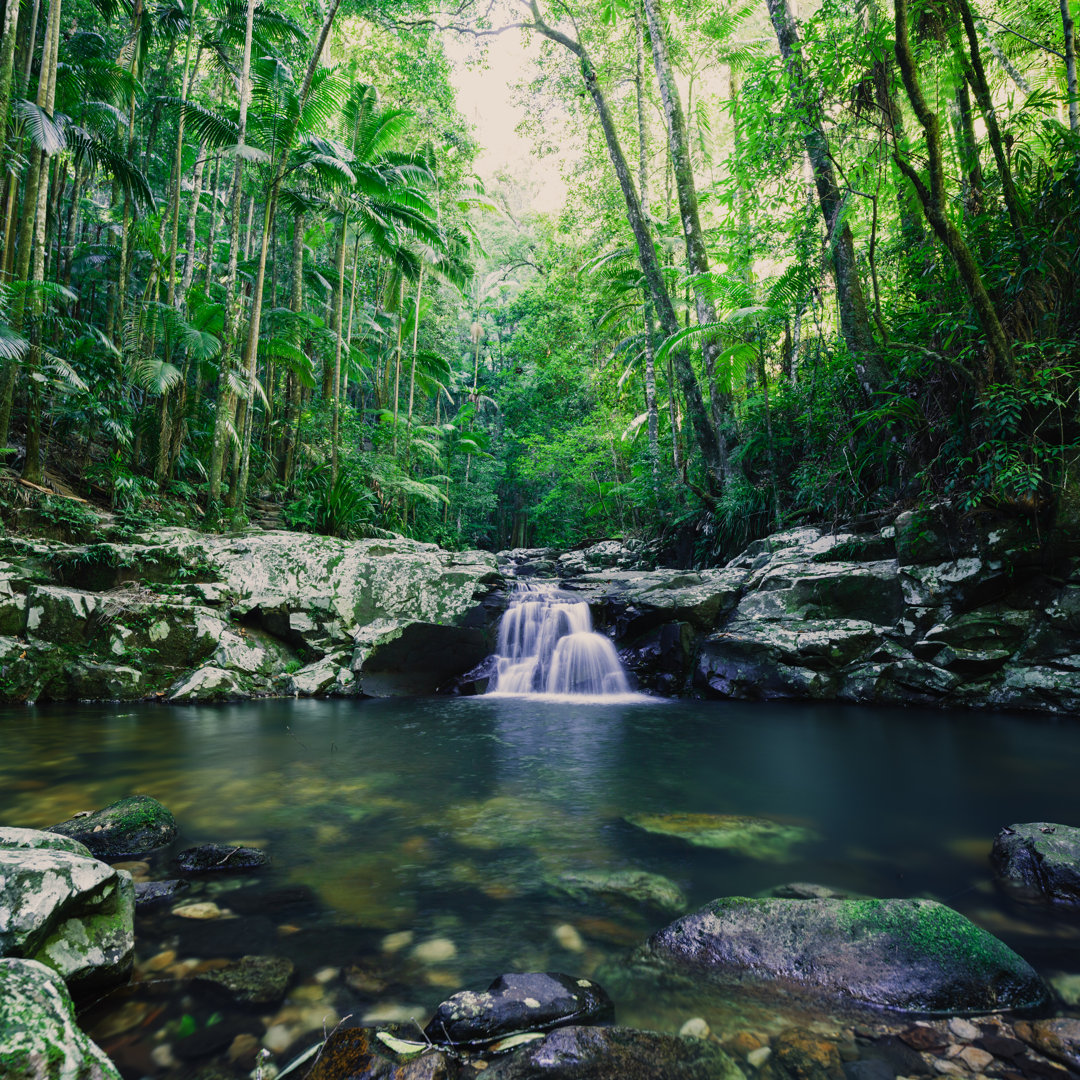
(800, 1055)
(869, 1069)
(1001, 1046)
(39, 1038)
(529, 1001)
(67, 910)
(615, 1053)
(221, 859)
(1058, 1039)
(1040, 860)
(131, 826)
(898, 1056)
(637, 886)
(215, 1037)
(150, 894)
(252, 980)
(357, 1054)
(909, 955)
(756, 838)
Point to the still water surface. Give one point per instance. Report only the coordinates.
(451, 818)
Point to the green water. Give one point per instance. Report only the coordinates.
(415, 843)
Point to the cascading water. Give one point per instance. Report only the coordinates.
(547, 646)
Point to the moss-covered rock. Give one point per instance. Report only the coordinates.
(251, 980)
(756, 838)
(910, 955)
(67, 910)
(130, 826)
(39, 1039)
(636, 886)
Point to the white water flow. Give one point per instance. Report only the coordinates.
(547, 646)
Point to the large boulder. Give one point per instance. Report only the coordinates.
(1040, 861)
(133, 825)
(39, 1039)
(67, 910)
(909, 955)
(529, 1001)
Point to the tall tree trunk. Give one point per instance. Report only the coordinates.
(226, 398)
(339, 332)
(1069, 28)
(854, 314)
(697, 257)
(7, 69)
(705, 434)
(193, 220)
(934, 203)
(968, 150)
(283, 151)
(643, 189)
(292, 382)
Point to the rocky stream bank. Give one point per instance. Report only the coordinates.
(927, 609)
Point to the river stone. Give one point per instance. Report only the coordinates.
(220, 859)
(802, 1055)
(252, 980)
(39, 1038)
(68, 911)
(1058, 1038)
(530, 1001)
(757, 838)
(615, 1053)
(151, 893)
(358, 1054)
(1040, 859)
(908, 955)
(655, 890)
(130, 826)
(807, 890)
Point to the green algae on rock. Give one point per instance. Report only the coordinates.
(637, 886)
(68, 911)
(130, 826)
(39, 1039)
(910, 955)
(1039, 861)
(756, 838)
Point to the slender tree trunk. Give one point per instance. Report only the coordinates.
(339, 329)
(705, 434)
(968, 150)
(643, 189)
(1070, 67)
(193, 221)
(854, 314)
(7, 69)
(934, 204)
(697, 257)
(178, 160)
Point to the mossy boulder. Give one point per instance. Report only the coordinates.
(915, 956)
(1039, 860)
(635, 886)
(130, 826)
(67, 910)
(39, 1039)
(753, 837)
(251, 980)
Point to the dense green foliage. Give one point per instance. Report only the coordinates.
(807, 270)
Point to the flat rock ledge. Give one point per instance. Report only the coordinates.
(1039, 861)
(914, 956)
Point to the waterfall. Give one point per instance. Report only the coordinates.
(547, 646)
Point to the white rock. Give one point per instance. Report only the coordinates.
(963, 1029)
(695, 1028)
(435, 951)
(568, 937)
(393, 943)
(758, 1057)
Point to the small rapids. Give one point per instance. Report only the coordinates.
(547, 647)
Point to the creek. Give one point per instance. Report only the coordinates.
(424, 845)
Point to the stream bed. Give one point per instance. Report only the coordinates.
(422, 846)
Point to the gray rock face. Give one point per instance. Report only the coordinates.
(1040, 861)
(909, 955)
(201, 618)
(131, 826)
(530, 1001)
(221, 859)
(251, 980)
(66, 910)
(589, 1053)
(39, 1039)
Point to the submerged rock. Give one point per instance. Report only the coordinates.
(39, 1039)
(531, 1001)
(909, 955)
(1040, 861)
(359, 1054)
(130, 826)
(615, 1053)
(68, 911)
(252, 980)
(1058, 1038)
(221, 859)
(756, 838)
(639, 886)
(151, 893)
